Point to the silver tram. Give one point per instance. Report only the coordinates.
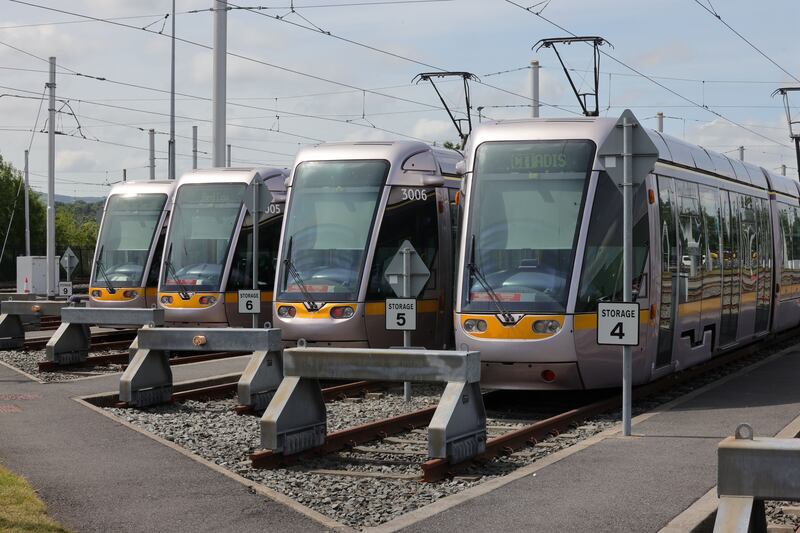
(350, 207)
(208, 254)
(128, 252)
(716, 255)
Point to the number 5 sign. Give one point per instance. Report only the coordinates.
(401, 314)
(618, 323)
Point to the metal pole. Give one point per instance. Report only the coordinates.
(52, 273)
(194, 147)
(741, 153)
(219, 74)
(27, 210)
(783, 170)
(407, 294)
(256, 215)
(152, 134)
(124, 174)
(535, 88)
(171, 150)
(627, 266)
(229, 156)
(660, 117)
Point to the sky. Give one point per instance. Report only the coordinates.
(342, 70)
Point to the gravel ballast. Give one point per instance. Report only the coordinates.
(213, 431)
(28, 362)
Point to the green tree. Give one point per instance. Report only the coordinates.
(12, 210)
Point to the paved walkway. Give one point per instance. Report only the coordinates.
(97, 475)
(636, 483)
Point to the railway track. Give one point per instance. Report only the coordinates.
(227, 389)
(400, 438)
(121, 358)
(107, 340)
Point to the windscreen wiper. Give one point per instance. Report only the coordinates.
(182, 290)
(102, 270)
(476, 272)
(290, 268)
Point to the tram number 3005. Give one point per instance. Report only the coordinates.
(618, 323)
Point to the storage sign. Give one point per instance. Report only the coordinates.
(618, 323)
(250, 302)
(401, 314)
(65, 288)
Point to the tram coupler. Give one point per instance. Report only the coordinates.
(12, 331)
(295, 419)
(751, 470)
(72, 340)
(148, 378)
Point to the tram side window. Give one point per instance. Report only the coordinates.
(601, 279)
(794, 231)
(749, 244)
(709, 203)
(691, 239)
(241, 275)
(412, 220)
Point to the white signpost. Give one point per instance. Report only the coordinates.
(407, 274)
(65, 288)
(628, 155)
(250, 302)
(618, 324)
(69, 261)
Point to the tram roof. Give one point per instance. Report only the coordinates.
(143, 187)
(670, 149)
(399, 154)
(273, 176)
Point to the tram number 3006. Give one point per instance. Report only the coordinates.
(618, 323)
(414, 194)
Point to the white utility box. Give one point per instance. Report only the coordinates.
(32, 274)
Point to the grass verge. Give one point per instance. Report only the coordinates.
(20, 509)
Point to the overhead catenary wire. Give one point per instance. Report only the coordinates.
(654, 81)
(713, 12)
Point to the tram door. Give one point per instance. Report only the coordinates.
(669, 270)
(730, 267)
(764, 266)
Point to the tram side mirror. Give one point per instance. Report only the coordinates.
(461, 167)
(287, 181)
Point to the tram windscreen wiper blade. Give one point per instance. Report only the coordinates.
(102, 270)
(476, 272)
(290, 268)
(182, 290)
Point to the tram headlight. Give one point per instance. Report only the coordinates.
(286, 311)
(166, 299)
(473, 324)
(344, 311)
(207, 300)
(97, 293)
(546, 326)
(130, 294)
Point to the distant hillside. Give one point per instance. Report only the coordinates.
(63, 199)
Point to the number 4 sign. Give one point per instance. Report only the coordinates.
(618, 323)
